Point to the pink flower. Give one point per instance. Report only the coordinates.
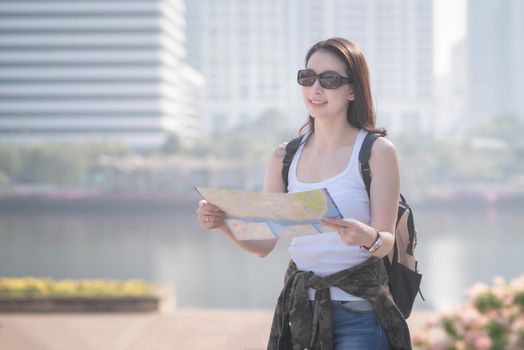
(482, 342)
(480, 321)
(467, 325)
(518, 283)
(419, 338)
(499, 281)
(476, 289)
(438, 339)
(460, 345)
(508, 299)
(438, 345)
(518, 323)
(499, 291)
(469, 315)
(514, 342)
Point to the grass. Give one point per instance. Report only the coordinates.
(30, 287)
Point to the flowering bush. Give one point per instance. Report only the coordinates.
(48, 288)
(491, 319)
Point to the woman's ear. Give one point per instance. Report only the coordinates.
(351, 95)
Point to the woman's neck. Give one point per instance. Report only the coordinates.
(330, 136)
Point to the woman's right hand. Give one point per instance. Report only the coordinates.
(210, 216)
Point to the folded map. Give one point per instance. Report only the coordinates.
(260, 215)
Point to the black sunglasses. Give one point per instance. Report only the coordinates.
(328, 80)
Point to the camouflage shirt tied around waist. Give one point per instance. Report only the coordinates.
(297, 326)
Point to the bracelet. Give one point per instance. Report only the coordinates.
(375, 241)
(376, 244)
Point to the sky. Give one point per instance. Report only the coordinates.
(449, 28)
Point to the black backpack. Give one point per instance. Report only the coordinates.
(401, 265)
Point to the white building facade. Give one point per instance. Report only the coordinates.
(96, 70)
(249, 52)
(495, 59)
(241, 49)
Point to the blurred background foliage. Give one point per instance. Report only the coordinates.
(491, 154)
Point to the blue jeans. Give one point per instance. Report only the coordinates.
(356, 329)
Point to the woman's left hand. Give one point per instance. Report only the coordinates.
(351, 231)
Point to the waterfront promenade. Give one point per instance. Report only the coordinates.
(183, 329)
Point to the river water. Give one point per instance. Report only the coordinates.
(456, 249)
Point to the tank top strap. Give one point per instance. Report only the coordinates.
(350, 168)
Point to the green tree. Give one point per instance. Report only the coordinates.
(61, 163)
(9, 161)
(504, 127)
(172, 144)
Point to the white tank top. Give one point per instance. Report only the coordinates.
(325, 253)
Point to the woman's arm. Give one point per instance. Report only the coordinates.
(384, 193)
(211, 217)
(384, 197)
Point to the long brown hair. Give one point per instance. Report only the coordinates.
(360, 112)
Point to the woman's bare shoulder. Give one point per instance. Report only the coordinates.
(273, 181)
(280, 150)
(383, 156)
(383, 147)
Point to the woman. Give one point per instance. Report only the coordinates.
(331, 271)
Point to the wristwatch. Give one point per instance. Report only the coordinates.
(376, 244)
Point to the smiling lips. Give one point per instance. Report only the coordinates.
(317, 103)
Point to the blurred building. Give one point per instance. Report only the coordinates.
(249, 52)
(241, 48)
(451, 97)
(92, 70)
(495, 58)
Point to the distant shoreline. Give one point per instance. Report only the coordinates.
(79, 200)
(96, 201)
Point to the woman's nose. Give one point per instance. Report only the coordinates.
(316, 85)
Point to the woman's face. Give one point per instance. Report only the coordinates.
(324, 103)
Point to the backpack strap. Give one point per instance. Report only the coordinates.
(363, 157)
(291, 149)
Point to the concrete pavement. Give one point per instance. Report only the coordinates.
(183, 329)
